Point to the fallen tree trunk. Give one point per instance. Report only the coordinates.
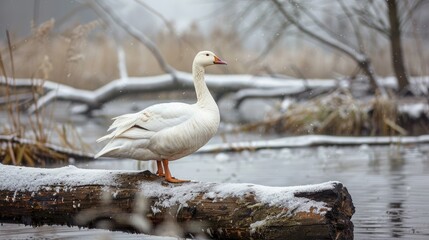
(293, 92)
(311, 141)
(248, 86)
(219, 84)
(143, 202)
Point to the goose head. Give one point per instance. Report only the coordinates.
(207, 58)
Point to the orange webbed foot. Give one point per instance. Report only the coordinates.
(168, 176)
(175, 180)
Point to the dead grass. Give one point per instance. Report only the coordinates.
(14, 145)
(337, 113)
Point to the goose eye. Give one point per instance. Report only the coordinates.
(207, 54)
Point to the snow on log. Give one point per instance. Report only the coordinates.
(292, 91)
(143, 202)
(311, 140)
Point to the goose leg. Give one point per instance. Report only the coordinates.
(160, 170)
(168, 176)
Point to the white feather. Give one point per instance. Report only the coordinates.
(106, 150)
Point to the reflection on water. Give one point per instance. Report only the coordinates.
(397, 186)
(397, 208)
(20, 232)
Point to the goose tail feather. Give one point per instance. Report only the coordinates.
(106, 150)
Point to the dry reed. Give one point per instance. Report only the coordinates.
(337, 113)
(12, 149)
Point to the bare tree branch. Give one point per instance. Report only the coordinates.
(355, 27)
(354, 54)
(159, 15)
(379, 13)
(410, 11)
(273, 42)
(167, 23)
(139, 36)
(367, 19)
(246, 11)
(318, 23)
(255, 24)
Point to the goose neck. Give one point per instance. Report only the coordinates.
(204, 97)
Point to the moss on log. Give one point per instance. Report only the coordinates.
(143, 202)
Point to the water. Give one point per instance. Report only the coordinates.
(388, 184)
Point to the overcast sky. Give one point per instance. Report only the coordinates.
(183, 12)
(16, 16)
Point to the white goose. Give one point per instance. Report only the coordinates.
(167, 131)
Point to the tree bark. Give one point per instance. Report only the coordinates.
(396, 45)
(143, 202)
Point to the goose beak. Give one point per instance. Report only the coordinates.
(218, 61)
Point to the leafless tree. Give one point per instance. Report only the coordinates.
(385, 18)
(357, 19)
(294, 13)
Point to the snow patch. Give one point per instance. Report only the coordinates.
(254, 226)
(311, 140)
(155, 210)
(115, 194)
(168, 196)
(414, 110)
(209, 195)
(34, 179)
(275, 196)
(222, 157)
(286, 103)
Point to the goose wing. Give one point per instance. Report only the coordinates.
(153, 119)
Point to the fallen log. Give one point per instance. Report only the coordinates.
(143, 202)
(219, 84)
(312, 141)
(67, 153)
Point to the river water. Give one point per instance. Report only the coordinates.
(388, 184)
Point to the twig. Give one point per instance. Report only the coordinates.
(319, 23)
(354, 54)
(159, 15)
(355, 27)
(273, 42)
(151, 46)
